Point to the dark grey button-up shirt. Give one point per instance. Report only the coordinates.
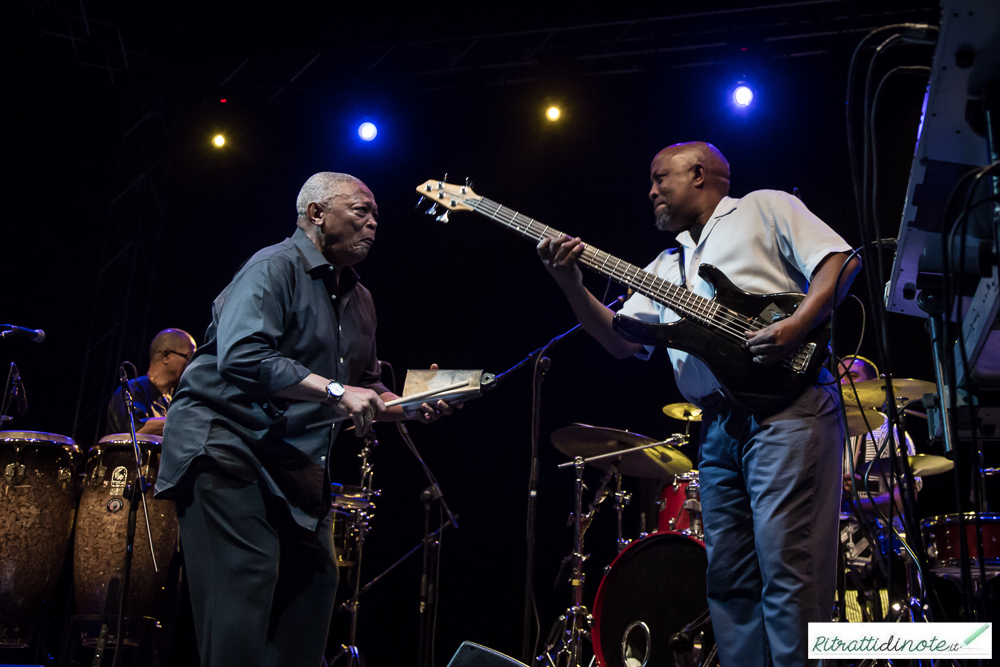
(280, 319)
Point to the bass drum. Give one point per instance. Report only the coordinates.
(652, 590)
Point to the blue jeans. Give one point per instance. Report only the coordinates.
(770, 495)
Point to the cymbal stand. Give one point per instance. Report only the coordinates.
(358, 524)
(564, 647)
(622, 499)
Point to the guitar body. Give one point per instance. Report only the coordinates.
(761, 389)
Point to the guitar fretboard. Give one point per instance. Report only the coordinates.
(678, 299)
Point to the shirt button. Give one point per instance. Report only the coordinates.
(341, 360)
(322, 458)
(264, 405)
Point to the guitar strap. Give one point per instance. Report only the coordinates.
(680, 252)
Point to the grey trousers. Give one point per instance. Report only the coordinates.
(262, 587)
(770, 496)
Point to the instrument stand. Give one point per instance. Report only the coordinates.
(428, 581)
(359, 522)
(564, 647)
(136, 493)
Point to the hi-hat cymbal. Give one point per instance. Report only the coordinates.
(660, 462)
(923, 465)
(871, 393)
(856, 420)
(686, 412)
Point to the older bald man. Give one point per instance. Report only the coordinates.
(770, 484)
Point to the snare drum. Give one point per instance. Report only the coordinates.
(39, 489)
(652, 590)
(102, 519)
(941, 537)
(678, 501)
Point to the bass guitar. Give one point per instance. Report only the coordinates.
(713, 330)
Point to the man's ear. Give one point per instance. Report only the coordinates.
(699, 174)
(314, 213)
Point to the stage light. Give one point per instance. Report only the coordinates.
(552, 113)
(743, 96)
(219, 141)
(367, 131)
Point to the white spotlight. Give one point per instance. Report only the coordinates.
(743, 96)
(367, 131)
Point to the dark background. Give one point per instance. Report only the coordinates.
(464, 295)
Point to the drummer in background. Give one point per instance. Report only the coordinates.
(880, 473)
(169, 354)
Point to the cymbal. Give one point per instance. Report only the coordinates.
(659, 462)
(686, 412)
(871, 393)
(856, 422)
(923, 465)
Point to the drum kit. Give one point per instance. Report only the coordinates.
(641, 617)
(940, 534)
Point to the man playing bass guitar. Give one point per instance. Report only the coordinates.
(770, 481)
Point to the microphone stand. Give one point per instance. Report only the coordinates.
(542, 366)
(136, 494)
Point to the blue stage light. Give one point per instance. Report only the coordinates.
(743, 96)
(367, 131)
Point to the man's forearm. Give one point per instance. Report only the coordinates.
(596, 320)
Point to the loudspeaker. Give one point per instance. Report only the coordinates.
(474, 655)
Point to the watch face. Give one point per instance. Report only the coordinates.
(335, 389)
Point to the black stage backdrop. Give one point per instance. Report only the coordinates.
(466, 294)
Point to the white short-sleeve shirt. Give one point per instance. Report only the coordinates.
(766, 242)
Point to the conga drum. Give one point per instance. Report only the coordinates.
(36, 518)
(102, 522)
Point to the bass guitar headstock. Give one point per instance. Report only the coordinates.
(449, 196)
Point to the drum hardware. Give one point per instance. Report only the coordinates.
(599, 446)
(358, 525)
(564, 645)
(685, 412)
(924, 465)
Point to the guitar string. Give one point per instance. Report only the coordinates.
(705, 310)
(696, 306)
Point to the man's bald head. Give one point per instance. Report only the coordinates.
(172, 340)
(715, 163)
(687, 182)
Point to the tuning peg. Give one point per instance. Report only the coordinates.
(419, 202)
(443, 217)
(432, 210)
(468, 185)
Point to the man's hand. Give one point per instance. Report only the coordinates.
(362, 406)
(776, 341)
(153, 426)
(560, 257)
(427, 413)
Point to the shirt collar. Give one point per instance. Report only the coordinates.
(315, 264)
(725, 206)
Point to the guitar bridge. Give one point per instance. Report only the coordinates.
(800, 363)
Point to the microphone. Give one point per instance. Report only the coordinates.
(34, 335)
(22, 398)
(123, 377)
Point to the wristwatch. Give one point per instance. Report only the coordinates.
(335, 391)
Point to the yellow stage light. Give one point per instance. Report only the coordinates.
(552, 113)
(219, 141)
